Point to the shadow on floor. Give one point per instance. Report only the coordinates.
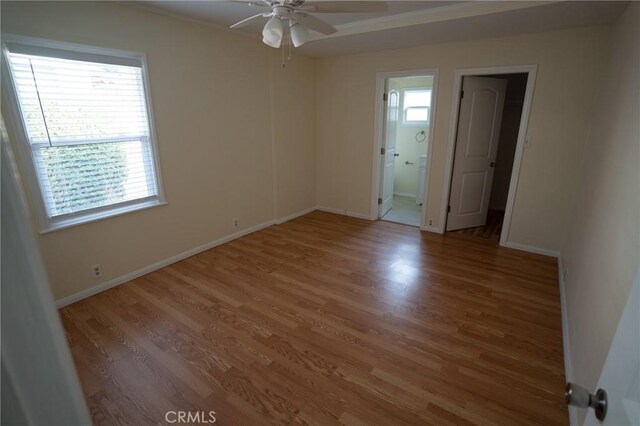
(490, 231)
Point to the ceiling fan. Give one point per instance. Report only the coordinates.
(296, 16)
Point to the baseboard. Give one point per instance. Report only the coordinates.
(434, 229)
(566, 348)
(295, 215)
(531, 249)
(166, 262)
(343, 212)
(405, 194)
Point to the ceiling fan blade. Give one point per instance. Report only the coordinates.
(261, 4)
(254, 3)
(247, 21)
(314, 23)
(347, 6)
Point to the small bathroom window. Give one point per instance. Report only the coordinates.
(416, 105)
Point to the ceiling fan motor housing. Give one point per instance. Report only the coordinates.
(299, 15)
(283, 12)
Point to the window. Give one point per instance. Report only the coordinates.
(416, 106)
(87, 131)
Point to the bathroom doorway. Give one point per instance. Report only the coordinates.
(407, 115)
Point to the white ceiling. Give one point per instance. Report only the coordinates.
(412, 23)
(227, 13)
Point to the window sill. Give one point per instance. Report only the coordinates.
(423, 124)
(94, 217)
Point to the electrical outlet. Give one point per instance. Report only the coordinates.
(236, 223)
(430, 222)
(96, 270)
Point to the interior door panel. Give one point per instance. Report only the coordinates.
(477, 140)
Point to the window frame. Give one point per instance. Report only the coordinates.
(415, 123)
(15, 119)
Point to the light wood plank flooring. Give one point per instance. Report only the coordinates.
(326, 320)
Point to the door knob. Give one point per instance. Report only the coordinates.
(396, 155)
(493, 164)
(580, 397)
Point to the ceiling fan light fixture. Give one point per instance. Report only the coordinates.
(299, 34)
(272, 32)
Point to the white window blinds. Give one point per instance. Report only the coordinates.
(88, 130)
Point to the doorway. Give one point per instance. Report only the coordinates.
(408, 104)
(489, 136)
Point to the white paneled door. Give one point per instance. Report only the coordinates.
(479, 123)
(389, 146)
(620, 376)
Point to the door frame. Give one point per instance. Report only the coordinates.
(381, 77)
(459, 74)
(35, 352)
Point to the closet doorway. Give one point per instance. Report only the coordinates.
(487, 139)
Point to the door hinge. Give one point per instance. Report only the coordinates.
(385, 97)
(448, 209)
(379, 201)
(382, 151)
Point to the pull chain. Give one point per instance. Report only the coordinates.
(44, 118)
(283, 61)
(288, 56)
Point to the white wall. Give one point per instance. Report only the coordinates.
(406, 176)
(602, 250)
(232, 142)
(569, 65)
(293, 106)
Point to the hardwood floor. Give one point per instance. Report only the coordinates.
(490, 231)
(326, 320)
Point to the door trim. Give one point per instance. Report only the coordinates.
(378, 134)
(459, 73)
(34, 352)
